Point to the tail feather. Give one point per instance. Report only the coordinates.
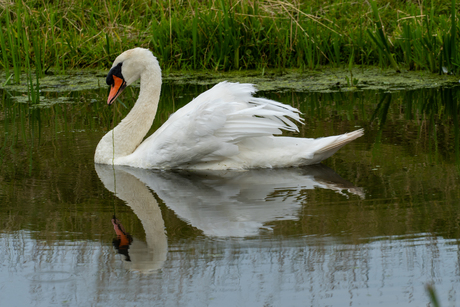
(341, 141)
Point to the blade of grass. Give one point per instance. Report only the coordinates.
(381, 39)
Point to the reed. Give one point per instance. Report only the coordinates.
(380, 38)
(224, 35)
(432, 295)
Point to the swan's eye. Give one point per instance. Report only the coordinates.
(115, 71)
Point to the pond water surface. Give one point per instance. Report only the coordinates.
(371, 226)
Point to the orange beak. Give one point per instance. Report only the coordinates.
(117, 87)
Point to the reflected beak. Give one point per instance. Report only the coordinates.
(117, 87)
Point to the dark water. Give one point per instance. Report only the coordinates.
(371, 226)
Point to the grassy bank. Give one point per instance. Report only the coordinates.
(46, 36)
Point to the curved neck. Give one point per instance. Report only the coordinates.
(129, 133)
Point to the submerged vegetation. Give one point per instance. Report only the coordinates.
(54, 36)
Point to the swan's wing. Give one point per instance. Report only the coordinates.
(230, 111)
(210, 126)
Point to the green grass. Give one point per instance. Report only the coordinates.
(222, 35)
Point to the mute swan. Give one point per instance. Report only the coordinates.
(223, 128)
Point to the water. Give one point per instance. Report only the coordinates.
(371, 226)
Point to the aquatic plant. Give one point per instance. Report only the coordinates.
(432, 294)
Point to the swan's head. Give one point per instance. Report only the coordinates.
(127, 68)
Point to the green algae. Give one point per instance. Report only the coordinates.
(80, 80)
(44, 102)
(325, 79)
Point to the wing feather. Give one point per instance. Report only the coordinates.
(211, 125)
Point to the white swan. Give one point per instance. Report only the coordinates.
(223, 128)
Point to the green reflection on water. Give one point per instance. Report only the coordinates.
(407, 163)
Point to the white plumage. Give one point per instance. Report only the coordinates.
(225, 127)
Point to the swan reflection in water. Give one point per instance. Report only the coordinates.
(219, 203)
